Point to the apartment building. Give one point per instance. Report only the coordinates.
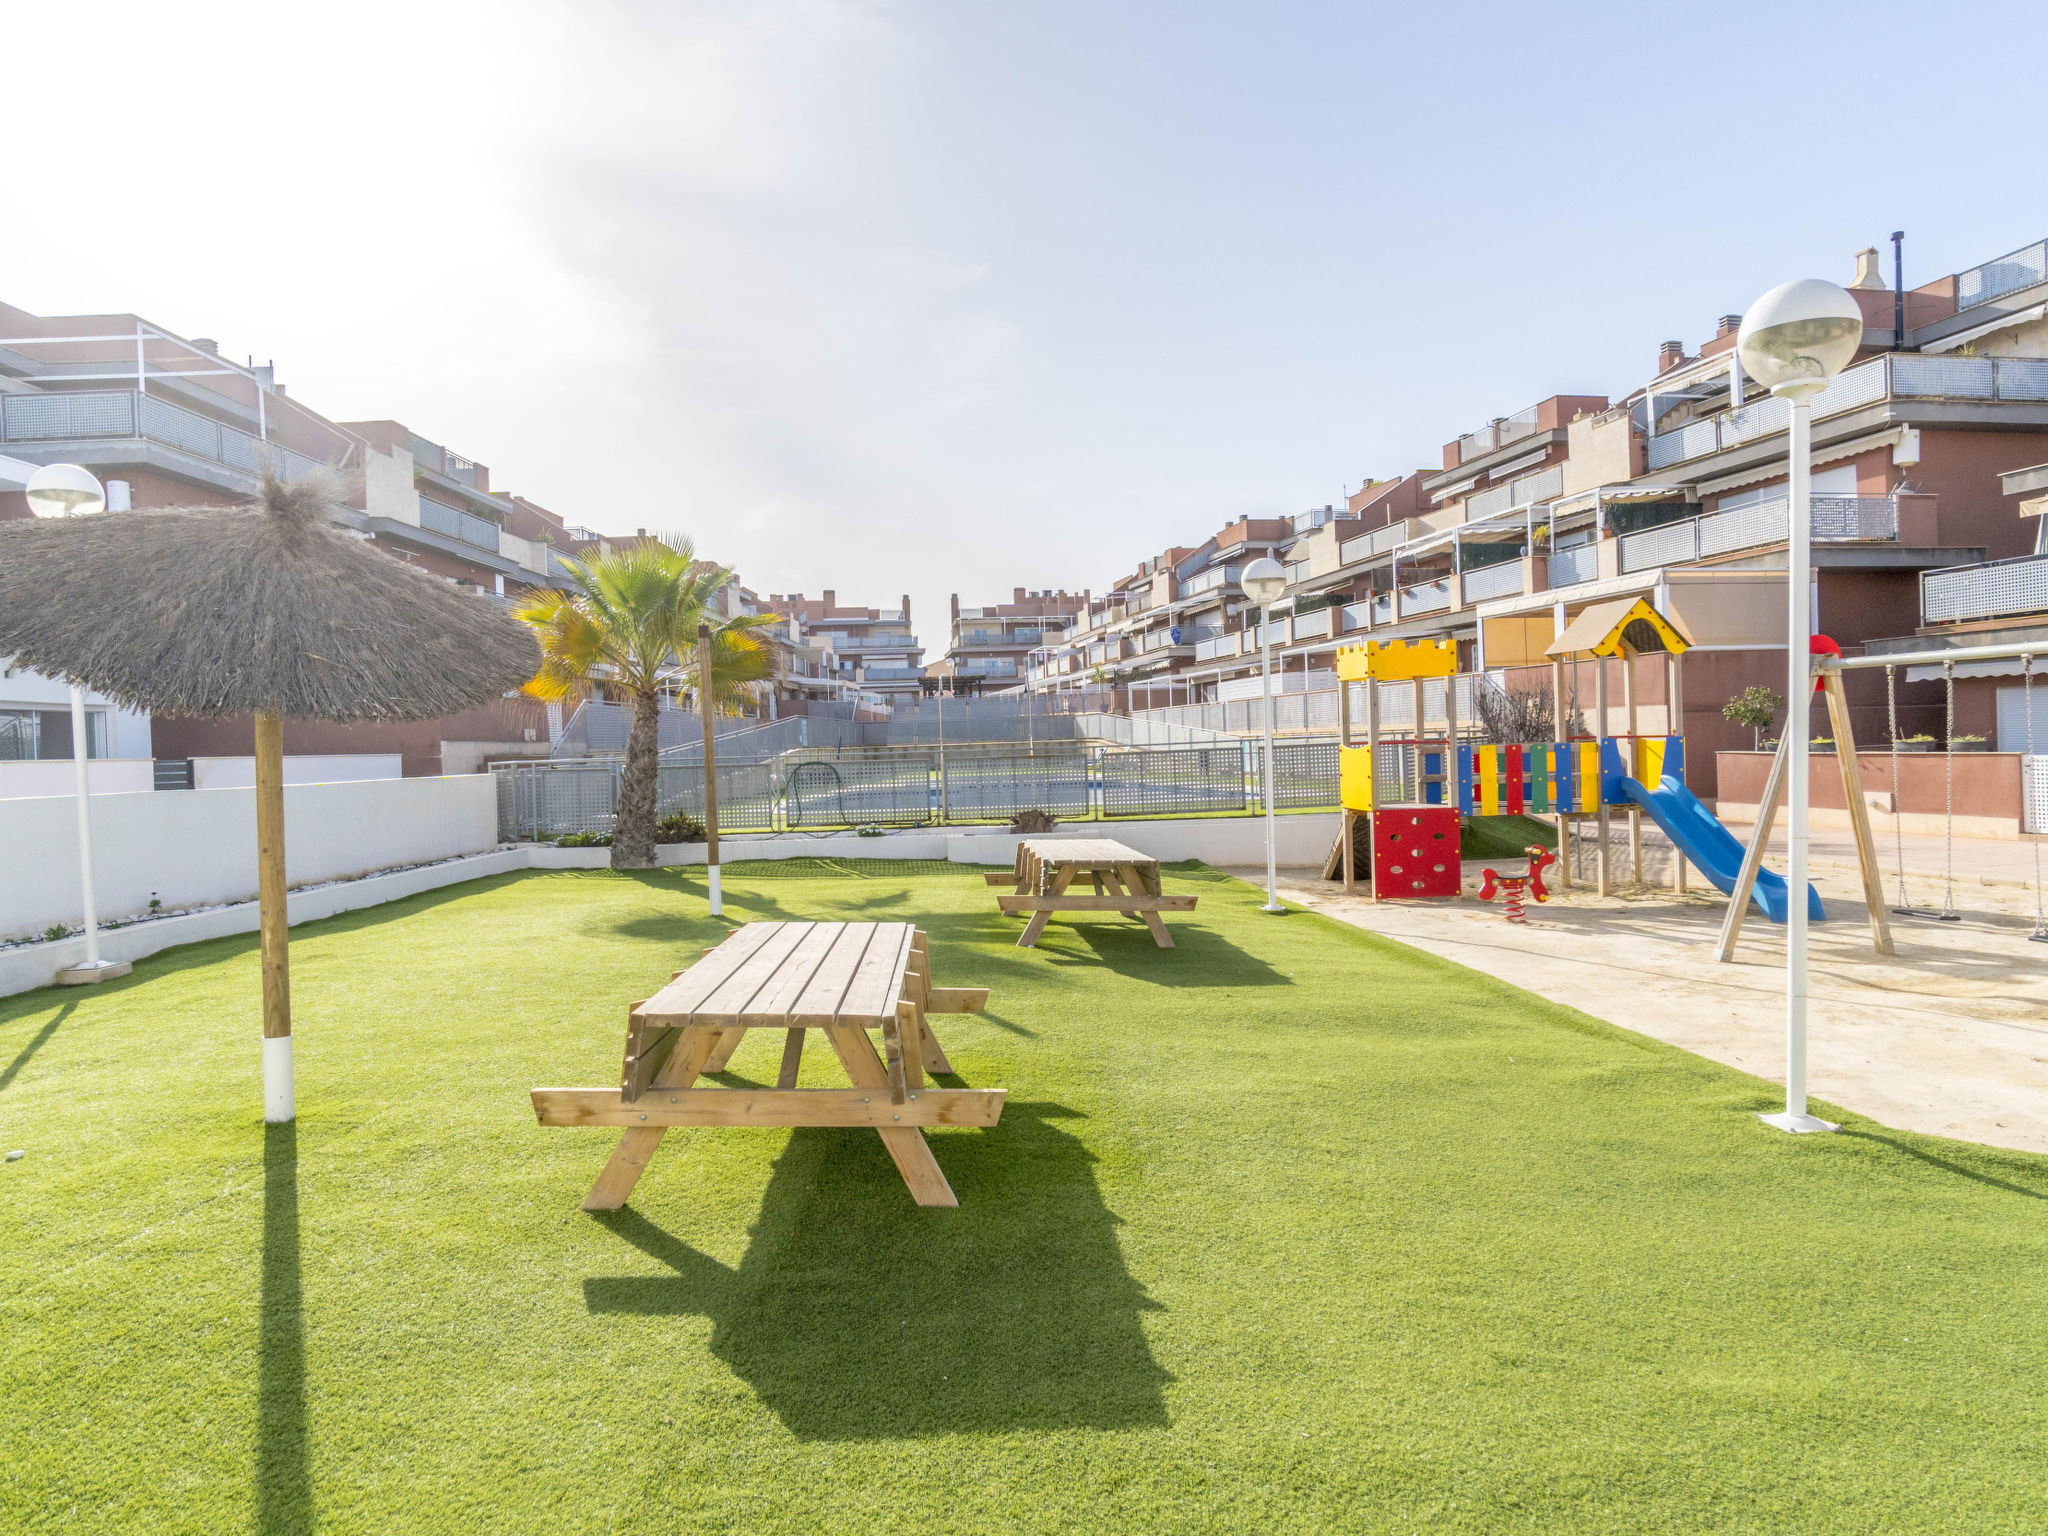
(1145, 631)
(987, 647)
(166, 420)
(863, 650)
(1677, 491)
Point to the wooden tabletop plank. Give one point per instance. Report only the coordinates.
(779, 997)
(878, 983)
(818, 1003)
(732, 1002)
(677, 1001)
(1073, 851)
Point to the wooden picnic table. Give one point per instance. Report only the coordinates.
(1125, 881)
(843, 978)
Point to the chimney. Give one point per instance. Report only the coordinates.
(1867, 275)
(906, 607)
(639, 533)
(1669, 355)
(1727, 325)
(1017, 595)
(956, 605)
(206, 344)
(827, 600)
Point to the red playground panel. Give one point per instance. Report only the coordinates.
(1415, 852)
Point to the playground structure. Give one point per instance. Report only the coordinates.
(1414, 790)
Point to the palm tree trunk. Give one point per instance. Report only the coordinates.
(633, 826)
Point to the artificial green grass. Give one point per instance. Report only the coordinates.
(1286, 1229)
(1503, 837)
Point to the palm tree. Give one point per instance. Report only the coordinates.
(632, 618)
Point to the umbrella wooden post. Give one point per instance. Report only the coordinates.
(710, 770)
(278, 1105)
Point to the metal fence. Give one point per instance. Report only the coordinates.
(2034, 792)
(835, 788)
(1992, 590)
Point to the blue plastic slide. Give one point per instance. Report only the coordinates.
(1711, 846)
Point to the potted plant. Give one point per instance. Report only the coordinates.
(1919, 743)
(1968, 744)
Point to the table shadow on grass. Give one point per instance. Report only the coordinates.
(856, 1315)
(284, 1490)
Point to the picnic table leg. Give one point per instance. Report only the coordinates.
(905, 1144)
(728, 1042)
(792, 1054)
(1159, 934)
(1036, 926)
(636, 1147)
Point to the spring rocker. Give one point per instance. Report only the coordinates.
(1510, 887)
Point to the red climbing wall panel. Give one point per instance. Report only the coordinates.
(1415, 852)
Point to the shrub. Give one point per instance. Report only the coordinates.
(1756, 707)
(679, 827)
(584, 840)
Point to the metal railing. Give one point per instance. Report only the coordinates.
(1544, 485)
(1502, 580)
(1378, 542)
(1209, 580)
(1569, 567)
(1499, 434)
(1426, 597)
(2023, 268)
(1991, 590)
(454, 523)
(1835, 519)
(1905, 375)
(115, 413)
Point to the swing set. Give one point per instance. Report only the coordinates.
(1828, 667)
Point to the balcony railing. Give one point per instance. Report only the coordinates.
(454, 523)
(1209, 580)
(1994, 590)
(1569, 567)
(1378, 542)
(1503, 580)
(2009, 274)
(1835, 518)
(1544, 485)
(1507, 430)
(116, 413)
(1312, 626)
(1425, 597)
(1905, 375)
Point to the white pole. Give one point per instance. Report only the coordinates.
(1266, 691)
(79, 753)
(1799, 696)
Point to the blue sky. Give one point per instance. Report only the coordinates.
(963, 297)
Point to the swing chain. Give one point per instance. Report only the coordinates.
(1891, 705)
(2029, 795)
(1948, 893)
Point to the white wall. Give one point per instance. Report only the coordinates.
(326, 768)
(198, 846)
(58, 776)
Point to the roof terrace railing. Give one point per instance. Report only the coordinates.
(1994, 589)
(62, 415)
(2022, 268)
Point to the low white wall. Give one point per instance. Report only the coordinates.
(57, 776)
(193, 847)
(314, 768)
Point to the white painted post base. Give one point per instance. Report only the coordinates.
(91, 972)
(278, 1108)
(1798, 1125)
(717, 898)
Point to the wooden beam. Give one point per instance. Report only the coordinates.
(1753, 857)
(1121, 904)
(957, 1000)
(1859, 812)
(769, 1107)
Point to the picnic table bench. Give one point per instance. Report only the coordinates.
(842, 978)
(1125, 881)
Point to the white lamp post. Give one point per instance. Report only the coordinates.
(1263, 582)
(65, 490)
(1794, 340)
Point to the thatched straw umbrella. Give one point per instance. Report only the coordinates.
(266, 609)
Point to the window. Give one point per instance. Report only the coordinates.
(29, 735)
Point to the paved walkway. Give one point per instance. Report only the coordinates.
(1950, 1038)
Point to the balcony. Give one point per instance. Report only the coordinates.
(1378, 542)
(1569, 567)
(1544, 485)
(2009, 274)
(1899, 376)
(1312, 626)
(1835, 518)
(119, 413)
(453, 523)
(1426, 597)
(1508, 429)
(840, 642)
(1210, 580)
(1492, 581)
(1996, 589)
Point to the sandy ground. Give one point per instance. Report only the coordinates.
(1949, 1038)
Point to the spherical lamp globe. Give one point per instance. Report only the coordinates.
(65, 490)
(1799, 336)
(1263, 580)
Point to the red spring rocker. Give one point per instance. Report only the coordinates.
(1510, 887)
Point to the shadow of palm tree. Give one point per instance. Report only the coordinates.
(856, 1315)
(284, 1490)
